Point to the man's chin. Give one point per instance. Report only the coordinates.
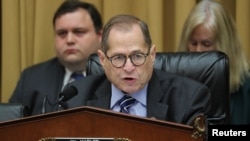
(73, 61)
(130, 90)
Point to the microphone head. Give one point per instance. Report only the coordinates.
(68, 93)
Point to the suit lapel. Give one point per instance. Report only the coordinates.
(155, 108)
(103, 96)
(55, 81)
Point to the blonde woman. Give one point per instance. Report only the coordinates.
(209, 26)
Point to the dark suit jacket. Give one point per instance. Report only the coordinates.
(38, 81)
(240, 104)
(169, 97)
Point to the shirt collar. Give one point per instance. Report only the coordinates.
(140, 96)
(67, 75)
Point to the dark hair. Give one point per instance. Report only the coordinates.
(124, 22)
(72, 5)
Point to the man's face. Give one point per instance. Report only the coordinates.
(129, 78)
(75, 38)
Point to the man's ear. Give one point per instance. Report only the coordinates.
(100, 35)
(101, 55)
(152, 53)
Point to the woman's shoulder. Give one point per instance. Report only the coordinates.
(244, 87)
(246, 81)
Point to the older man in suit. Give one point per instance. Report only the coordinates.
(131, 84)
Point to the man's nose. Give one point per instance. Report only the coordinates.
(70, 37)
(129, 65)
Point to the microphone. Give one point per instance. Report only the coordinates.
(64, 96)
(33, 99)
(67, 94)
(44, 105)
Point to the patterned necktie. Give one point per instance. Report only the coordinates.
(77, 76)
(125, 103)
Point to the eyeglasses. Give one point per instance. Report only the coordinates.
(119, 61)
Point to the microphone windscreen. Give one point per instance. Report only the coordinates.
(68, 93)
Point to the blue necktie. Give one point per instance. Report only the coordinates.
(77, 76)
(126, 102)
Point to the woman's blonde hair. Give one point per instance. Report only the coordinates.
(218, 20)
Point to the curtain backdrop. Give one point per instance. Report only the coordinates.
(27, 33)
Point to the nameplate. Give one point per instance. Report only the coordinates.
(83, 139)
